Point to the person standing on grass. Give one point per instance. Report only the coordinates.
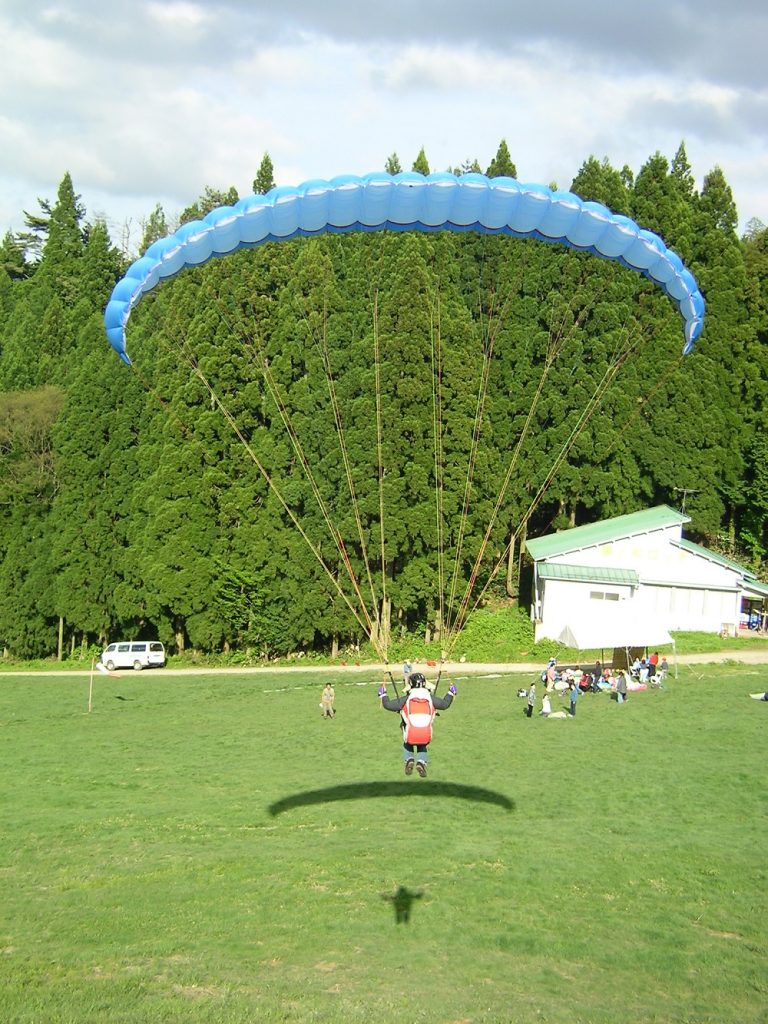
(549, 675)
(621, 688)
(417, 711)
(575, 691)
(597, 675)
(327, 699)
(531, 700)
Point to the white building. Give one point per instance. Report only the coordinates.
(633, 579)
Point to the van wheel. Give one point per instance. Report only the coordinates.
(110, 666)
(137, 666)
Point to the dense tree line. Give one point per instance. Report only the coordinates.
(354, 434)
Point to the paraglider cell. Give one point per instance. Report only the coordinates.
(225, 229)
(618, 237)
(469, 201)
(407, 197)
(255, 219)
(286, 210)
(644, 252)
(315, 204)
(530, 210)
(502, 202)
(680, 285)
(439, 200)
(563, 212)
(376, 200)
(197, 239)
(346, 201)
(589, 226)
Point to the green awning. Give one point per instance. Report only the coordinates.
(754, 587)
(587, 574)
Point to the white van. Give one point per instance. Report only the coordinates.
(136, 654)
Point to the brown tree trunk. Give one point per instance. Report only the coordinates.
(511, 590)
(385, 624)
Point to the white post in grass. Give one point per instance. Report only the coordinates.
(90, 687)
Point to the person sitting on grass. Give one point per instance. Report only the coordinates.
(417, 709)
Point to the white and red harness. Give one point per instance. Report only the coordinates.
(418, 713)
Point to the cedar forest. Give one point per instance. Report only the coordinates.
(355, 433)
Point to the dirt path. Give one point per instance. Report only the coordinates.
(753, 656)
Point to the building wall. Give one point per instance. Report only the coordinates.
(700, 608)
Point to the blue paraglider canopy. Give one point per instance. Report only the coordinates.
(410, 202)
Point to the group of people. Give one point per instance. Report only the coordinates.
(419, 703)
(572, 682)
(646, 670)
(573, 692)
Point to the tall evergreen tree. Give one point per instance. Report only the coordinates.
(28, 481)
(12, 258)
(421, 164)
(65, 238)
(720, 353)
(265, 177)
(469, 166)
(502, 165)
(392, 164)
(599, 182)
(154, 228)
(684, 186)
(210, 199)
(663, 201)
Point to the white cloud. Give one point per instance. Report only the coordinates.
(180, 16)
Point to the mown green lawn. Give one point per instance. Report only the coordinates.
(168, 857)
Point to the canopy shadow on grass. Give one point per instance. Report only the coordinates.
(374, 790)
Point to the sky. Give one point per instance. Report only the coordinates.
(150, 101)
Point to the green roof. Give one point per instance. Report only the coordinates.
(605, 532)
(697, 549)
(749, 580)
(588, 574)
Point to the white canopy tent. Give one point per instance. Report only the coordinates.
(617, 628)
(599, 634)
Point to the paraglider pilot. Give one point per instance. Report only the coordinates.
(417, 711)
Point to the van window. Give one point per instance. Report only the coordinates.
(138, 648)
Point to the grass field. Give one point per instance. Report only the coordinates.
(168, 857)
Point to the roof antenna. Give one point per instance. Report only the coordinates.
(686, 491)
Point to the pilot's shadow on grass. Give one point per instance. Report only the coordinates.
(402, 901)
(374, 790)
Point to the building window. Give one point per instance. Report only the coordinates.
(602, 595)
